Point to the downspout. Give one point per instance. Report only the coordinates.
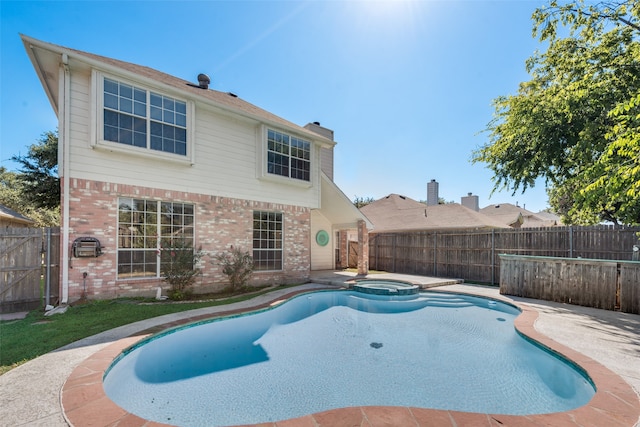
(63, 135)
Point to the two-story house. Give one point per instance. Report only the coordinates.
(146, 159)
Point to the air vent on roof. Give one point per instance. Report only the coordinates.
(232, 94)
(203, 81)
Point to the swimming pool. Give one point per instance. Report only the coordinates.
(333, 349)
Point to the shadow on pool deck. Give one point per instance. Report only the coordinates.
(31, 394)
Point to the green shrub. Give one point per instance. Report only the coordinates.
(238, 266)
(180, 268)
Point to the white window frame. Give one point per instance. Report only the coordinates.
(263, 156)
(275, 237)
(159, 238)
(97, 128)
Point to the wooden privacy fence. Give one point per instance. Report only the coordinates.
(610, 285)
(29, 268)
(472, 255)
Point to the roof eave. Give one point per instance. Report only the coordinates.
(337, 207)
(20, 219)
(39, 67)
(30, 42)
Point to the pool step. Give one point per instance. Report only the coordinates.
(424, 300)
(442, 303)
(446, 301)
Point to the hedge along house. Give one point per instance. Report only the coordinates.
(146, 159)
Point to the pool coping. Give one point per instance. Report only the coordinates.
(614, 404)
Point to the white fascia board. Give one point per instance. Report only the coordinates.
(337, 207)
(106, 67)
(30, 46)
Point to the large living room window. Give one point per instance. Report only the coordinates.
(288, 156)
(142, 118)
(267, 240)
(146, 229)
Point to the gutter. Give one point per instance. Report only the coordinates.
(63, 135)
(102, 63)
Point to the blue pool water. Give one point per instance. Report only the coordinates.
(333, 349)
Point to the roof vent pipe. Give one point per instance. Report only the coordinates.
(203, 81)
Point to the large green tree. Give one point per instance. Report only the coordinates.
(34, 191)
(576, 119)
(39, 172)
(12, 196)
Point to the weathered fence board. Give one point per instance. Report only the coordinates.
(23, 268)
(472, 255)
(630, 288)
(604, 284)
(51, 265)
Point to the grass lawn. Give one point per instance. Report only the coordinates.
(37, 334)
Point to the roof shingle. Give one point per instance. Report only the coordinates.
(399, 213)
(224, 100)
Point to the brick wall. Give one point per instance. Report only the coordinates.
(344, 249)
(363, 248)
(220, 222)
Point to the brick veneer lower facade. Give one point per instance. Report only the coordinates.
(363, 248)
(220, 222)
(343, 248)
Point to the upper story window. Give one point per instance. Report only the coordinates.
(288, 156)
(142, 118)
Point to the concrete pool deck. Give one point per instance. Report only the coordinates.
(606, 344)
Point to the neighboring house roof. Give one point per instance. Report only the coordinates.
(516, 216)
(8, 215)
(48, 56)
(399, 213)
(549, 217)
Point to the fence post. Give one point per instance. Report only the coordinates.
(493, 256)
(48, 270)
(395, 254)
(570, 242)
(374, 240)
(435, 254)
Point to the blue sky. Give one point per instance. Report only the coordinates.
(406, 85)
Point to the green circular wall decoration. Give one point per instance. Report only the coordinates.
(322, 238)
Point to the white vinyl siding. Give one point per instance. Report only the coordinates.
(322, 257)
(225, 153)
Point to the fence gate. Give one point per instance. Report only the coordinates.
(353, 254)
(29, 266)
